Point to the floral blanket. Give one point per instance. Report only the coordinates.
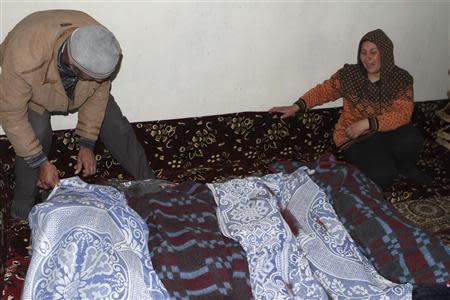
(400, 250)
(314, 258)
(88, 244)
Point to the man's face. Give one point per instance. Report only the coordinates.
(83, 76)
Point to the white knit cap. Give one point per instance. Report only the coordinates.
(94, 50)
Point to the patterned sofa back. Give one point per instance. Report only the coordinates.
(211, 148)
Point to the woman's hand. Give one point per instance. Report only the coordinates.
(48, 176)
(86, 162)
(286, 111)
(356, 129)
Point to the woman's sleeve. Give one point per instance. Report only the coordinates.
(329, 90)
(399, 113)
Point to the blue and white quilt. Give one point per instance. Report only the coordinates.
(295, 244)
(88, 244)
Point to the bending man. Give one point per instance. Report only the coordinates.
(61, 62)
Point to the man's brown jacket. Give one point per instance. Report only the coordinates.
(30, 79)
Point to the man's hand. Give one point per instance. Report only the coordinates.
(48, 176)
(86, 162)
(286, 111)
(356, 129)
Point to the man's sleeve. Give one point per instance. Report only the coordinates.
(15, 94)
(92, 112)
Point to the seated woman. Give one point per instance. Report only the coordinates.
(373, 130)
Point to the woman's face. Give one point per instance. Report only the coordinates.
(370, 57)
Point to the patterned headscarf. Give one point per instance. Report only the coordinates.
(393, 83)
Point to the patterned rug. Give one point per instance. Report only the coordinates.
(427, 206)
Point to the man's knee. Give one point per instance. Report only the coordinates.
(112, 109)
(114, 120)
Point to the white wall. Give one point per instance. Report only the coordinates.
(185, 58)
